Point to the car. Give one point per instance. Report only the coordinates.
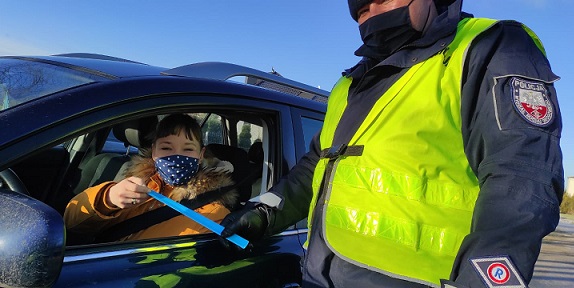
(66, 125)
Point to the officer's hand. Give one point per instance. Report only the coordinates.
(249, 223)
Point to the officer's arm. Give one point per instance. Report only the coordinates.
(292, 195)
(511, 128)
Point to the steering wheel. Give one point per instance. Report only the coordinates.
(12, 182)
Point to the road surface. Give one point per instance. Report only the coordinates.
(555, 265)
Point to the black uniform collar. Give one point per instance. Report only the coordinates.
(437, 37)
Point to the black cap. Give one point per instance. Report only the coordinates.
(355, 5)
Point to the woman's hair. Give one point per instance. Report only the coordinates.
(174, 124)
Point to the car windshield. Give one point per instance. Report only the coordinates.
(22, 81)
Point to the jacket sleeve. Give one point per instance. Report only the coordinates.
(89, 213)
(512, 144)
(295, 190)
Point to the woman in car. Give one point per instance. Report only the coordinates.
(176, 166)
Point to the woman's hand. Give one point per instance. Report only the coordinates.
(128, 193)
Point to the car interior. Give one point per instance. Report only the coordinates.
(56, 175)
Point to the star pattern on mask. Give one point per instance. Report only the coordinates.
(177, 169)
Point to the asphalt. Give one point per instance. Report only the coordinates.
(555, 265)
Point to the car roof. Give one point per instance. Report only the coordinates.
(114, 67)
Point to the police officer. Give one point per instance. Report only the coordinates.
(439, 159)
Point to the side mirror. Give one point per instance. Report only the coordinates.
(32, 241)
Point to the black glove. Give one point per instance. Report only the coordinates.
(249, 223)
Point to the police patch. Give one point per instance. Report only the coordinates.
(498, 272)
(532, 102)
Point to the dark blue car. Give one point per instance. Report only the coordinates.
(68, 122)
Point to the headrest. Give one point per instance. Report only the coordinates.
(137, 133)
(232, 154)
(239, 160)
(255, 152)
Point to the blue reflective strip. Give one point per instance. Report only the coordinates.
(202, 220)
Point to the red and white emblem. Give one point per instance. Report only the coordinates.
(532, 102)
(498, 273)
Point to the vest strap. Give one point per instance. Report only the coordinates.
(335, 152)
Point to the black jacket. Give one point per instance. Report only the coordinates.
(518, 162)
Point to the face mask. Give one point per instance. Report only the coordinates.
(385, 33)
(177, 170)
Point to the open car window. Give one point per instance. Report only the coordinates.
(104, 155)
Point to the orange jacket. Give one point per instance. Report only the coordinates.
(89, 213)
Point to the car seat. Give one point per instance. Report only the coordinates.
(110, 166)
(240, 161)
(256, 158)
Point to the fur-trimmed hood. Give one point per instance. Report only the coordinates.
(213, 174)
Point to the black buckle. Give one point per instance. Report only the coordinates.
(336, 151)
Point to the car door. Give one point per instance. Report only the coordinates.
(179, 261)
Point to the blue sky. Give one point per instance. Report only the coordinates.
(310, 41)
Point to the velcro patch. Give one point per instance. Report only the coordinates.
(498, 272)
(532, 102)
